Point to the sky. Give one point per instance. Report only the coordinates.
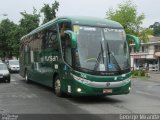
(94, 8)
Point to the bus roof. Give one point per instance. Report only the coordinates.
(89, 21)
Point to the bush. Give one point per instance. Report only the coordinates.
(138, 72)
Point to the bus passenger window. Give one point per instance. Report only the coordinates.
(62, 29)
(64, 26)
(50, 38)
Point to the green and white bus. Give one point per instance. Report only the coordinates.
(80, 56)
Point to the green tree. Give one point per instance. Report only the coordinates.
(8, 39)
(144, 34)
(49, 12)
(29, 21)
(156, 28)
(10, 33)
(127, 15)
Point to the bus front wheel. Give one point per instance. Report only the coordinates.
(57, 86)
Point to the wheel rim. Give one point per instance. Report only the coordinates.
(57, 86)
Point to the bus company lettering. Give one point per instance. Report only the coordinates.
(51, 58)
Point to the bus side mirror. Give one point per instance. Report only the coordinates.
(73, 38)
(135, 39)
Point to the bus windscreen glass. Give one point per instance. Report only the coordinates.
(101, 49)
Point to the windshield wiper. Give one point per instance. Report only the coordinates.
(99, 57)
(108, 51)
(114, 59)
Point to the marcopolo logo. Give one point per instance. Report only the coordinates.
(108, 84)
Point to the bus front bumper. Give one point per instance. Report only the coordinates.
(100, 88)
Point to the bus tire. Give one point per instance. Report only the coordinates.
(26, 77)
(57, 87)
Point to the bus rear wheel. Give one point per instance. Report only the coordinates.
(57, 87)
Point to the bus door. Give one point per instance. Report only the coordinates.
(67, 64)
(66, 51)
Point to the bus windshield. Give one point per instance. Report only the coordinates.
(101, 49)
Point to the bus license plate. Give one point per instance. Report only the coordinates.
(107, 90)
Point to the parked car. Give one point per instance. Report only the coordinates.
(13, 65)
(4, 73)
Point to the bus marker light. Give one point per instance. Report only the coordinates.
(115, 78)
(69, 88)
(56, 66)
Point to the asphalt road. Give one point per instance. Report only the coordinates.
(19, 97)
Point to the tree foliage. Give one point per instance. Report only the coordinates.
(29, 21)
(156, 28)
(10, 33)
(49, 12)
(127, 15)
(9, 42)
(144, 34)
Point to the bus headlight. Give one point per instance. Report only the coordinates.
(129, 88)
(79, 89)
